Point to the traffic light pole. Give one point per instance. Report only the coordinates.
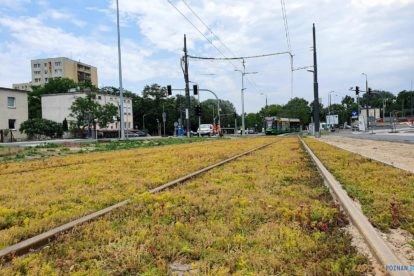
(199, 116)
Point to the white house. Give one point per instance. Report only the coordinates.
(56, 107)
(13, 112)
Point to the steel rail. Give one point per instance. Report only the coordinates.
(377, 245)
(36, 242)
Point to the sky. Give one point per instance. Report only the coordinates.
(374, 37)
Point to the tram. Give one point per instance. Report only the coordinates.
(277, 125)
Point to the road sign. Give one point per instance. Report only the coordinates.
(354, 113)
(332, 119)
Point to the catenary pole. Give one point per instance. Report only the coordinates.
(315, 87)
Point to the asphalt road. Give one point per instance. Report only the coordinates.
(403, 135)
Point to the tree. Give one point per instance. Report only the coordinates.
(297, 108)
(271, 110)
(65, 125)
(41, 127)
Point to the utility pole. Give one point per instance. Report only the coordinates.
(315, 87)
(187, 87)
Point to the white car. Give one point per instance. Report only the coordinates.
(205, 129)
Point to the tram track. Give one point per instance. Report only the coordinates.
(379, 249)
(376, 244)
(40, 240)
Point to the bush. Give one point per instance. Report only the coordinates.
(41, 127)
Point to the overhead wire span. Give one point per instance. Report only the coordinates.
(208, 28)
(195, 27)
(238, 58)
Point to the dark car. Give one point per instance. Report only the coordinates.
(135, 133)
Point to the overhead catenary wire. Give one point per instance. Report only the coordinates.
(195, 27)
(240, 58)
(208, 28)
(209, 40)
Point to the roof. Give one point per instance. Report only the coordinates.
(12, 90)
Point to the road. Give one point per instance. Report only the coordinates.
(403, 135)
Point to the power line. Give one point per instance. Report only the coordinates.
(208, 28)
(285, 22)
(234, 58)
(195, 27)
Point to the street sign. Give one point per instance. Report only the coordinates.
(332, 119)
(354, 113)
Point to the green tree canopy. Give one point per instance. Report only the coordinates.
(38, 127)
(297, 108)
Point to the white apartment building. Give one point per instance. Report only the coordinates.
(56, 107)
(13, 111)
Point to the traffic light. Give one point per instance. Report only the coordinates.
(195, 89)
(198, 110)
(169, 90)
(369, 91)
(357, 90)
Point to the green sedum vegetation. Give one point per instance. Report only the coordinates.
(385, 192)
(267, 213)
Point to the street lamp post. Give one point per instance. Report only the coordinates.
(218, 104)
(121, 97)
(243, 73)
(265, 96)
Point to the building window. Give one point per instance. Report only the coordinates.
(37, 72)
(11, 102)
(12, 124)
(58, 63)
(46, 79)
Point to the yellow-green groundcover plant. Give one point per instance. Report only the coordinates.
(39, 195)
(267, 213)
(385, 193)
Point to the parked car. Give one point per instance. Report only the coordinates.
(135, 133)
(205, 129)
(251, 131)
